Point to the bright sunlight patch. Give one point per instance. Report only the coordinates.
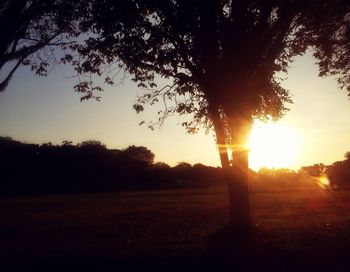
(272, 145)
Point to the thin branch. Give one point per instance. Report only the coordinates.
(6, 81)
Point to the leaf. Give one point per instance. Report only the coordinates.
(138, 108)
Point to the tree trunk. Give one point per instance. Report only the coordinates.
(237, 175)
(238, 188)
(221, 142)
(238, 184)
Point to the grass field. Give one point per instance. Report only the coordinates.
(300, 226)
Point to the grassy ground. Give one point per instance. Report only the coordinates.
(300, 226)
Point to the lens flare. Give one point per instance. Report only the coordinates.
(273, 145)
(323, 181)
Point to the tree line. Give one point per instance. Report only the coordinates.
(338, 172)
(90, 166)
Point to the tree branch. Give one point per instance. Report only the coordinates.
(5, 82)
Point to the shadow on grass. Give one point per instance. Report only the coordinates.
(259, 250)
(227, 250)
(100, 263)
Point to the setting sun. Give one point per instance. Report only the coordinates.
(273, 145)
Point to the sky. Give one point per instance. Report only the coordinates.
(46, 109)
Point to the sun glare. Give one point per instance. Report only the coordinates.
(273, 145)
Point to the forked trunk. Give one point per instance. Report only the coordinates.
(221, 142)
(237, 174)
(238, 183)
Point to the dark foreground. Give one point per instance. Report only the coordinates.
(300, 226)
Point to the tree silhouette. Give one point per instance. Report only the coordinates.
(314, 170)
(31, 30)
(91, 167)
(139, 154)
(223, 60)
(347, 156)
(93, 145)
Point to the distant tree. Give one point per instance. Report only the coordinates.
(6, 138)
(67, 143)
(266, 171)
(206, 174)
(140, 154)
(347, 156)
(161, 165)
(161, 175)
(183, 165)
(339, 173)
(48, 144)
(8, 141)
(183, 172)
(92, 145)
(315, 169)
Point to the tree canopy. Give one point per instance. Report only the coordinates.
(221, 57)
(223, 53)
(140, 154)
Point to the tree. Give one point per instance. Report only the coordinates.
(223, 60)
(93, 145)
(31, 31)
(161, 165)
(314, 170)
(139, 154)
(347, 156)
